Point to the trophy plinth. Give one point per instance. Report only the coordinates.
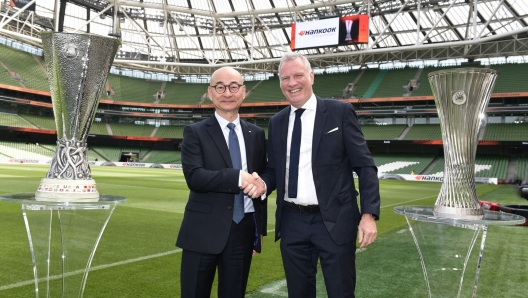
(461, 96)
(77, 65)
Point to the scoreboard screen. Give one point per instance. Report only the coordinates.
(330, 32)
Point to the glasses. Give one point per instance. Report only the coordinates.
(221, 88)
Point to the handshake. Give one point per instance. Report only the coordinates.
(252, 185)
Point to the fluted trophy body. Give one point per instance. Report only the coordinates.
(77, 66)
(461, 96)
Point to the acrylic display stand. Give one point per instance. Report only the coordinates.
(63, 238)
(449, 249)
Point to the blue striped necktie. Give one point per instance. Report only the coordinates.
(234, 152)
(295, 151)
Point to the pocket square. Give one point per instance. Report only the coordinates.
(335, 129)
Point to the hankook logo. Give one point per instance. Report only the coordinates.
(317, 31)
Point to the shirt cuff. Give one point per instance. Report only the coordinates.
(263, 196)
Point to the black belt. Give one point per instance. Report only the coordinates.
(303, 209)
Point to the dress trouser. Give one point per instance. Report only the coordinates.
(198, 269)
(304, 240)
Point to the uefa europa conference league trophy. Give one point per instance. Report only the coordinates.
(77, 65)
(445, 234)
(461, 97)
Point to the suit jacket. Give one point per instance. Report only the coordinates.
(338, 148)
(213, 183)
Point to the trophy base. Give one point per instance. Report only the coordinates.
(458, 213)
(57, 190)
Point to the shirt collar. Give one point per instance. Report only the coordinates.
(311, 104)
(223, 122)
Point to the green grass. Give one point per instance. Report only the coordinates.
(137, 257)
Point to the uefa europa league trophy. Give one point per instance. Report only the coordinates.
(348, 25)
(461, 96)
(77, 65)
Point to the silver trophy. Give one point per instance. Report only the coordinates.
(77, 65)
(461, 96)
(348, 26)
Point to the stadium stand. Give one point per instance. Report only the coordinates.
(93, 156)
(486, 166)
(99, 128)
(365, 81)
(267, 91)
(521, 169)
(108, 153)
(491, 166)
(163, 157)
(506, 132)
(169, 131)
(141, 150)
(424, 88)
(44, 122)
(512, 78)
(31, 72)
(130, 89)
(369, 83)
(402, 163)
(25, 150)
(332, 85)
(185, 93)
(128, 129)
(393, 82)
(382, 132)
(5, 77)
(424, 132)
(250, 86)
(438, 169)
(14, 120)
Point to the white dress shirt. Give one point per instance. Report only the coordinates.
(306, 194)
(248, 204)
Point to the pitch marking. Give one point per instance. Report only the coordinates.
(94, 268)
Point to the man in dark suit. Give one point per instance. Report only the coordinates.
(314, 146)
(216, 232)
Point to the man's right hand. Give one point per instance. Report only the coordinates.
(252, 185)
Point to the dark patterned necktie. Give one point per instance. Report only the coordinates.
(295, 149)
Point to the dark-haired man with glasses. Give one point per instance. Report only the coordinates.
(222, 228)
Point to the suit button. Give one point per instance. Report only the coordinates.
(230, 207)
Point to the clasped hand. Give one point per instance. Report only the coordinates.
(252, 185)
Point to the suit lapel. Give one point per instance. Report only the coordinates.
(216, 134)
(320, 119)
(249, 141)
(283, 130)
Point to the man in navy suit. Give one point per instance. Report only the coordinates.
(210, 235)
(317, 213)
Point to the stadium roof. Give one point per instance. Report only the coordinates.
(197, 36)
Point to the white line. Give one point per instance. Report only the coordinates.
(275, 288)
(94, 268)
(29, 282)
(401, 203)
